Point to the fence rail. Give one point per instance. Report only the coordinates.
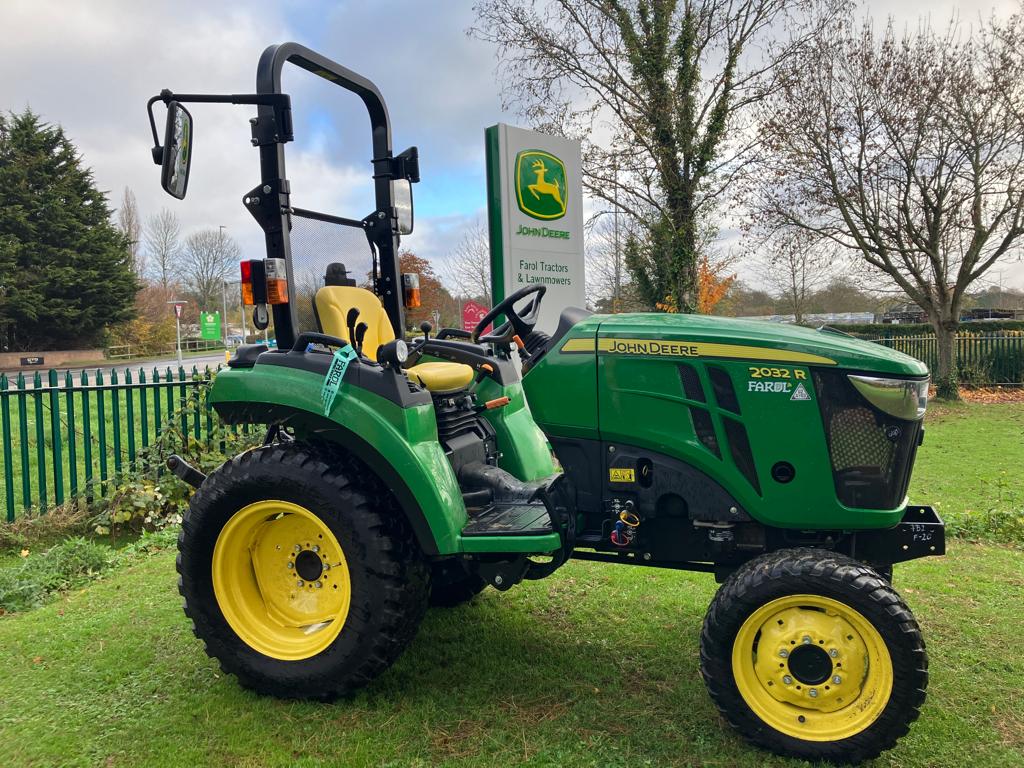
(65, 437)
(128, 351)
(994, 358)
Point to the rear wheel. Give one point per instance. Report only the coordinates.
(813, 655)
(299, 573)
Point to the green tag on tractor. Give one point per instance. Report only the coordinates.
(393, 477)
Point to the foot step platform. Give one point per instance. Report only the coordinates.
(510, 520)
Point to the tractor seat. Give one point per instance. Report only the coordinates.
(441, 378)
(331, 306)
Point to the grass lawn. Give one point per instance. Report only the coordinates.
(596, 666)
(970, 467)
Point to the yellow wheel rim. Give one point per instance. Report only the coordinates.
(812, 668)
(281, 580)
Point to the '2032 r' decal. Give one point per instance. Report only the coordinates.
(757, 372)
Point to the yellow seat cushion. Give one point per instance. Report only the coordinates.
(332, 304)
(441, 377)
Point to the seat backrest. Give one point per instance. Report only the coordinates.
(332, 304)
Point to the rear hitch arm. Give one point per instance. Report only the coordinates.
(185, 471)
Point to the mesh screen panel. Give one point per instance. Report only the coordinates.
(315, 244)
(691, 382)
(705, 430)
(872, 452)
(739, 447)
(724, 392)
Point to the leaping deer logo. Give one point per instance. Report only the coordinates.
(543, 187)
(540, 185)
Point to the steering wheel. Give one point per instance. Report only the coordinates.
(518, 324)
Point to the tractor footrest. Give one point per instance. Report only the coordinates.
(510, 520)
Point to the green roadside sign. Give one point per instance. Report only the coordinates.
(209, 325)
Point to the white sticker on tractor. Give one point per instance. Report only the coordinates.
(800, 393)
(770, 386)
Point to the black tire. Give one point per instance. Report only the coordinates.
(883, 570)
(815, 572)
(452, 585)
(388, 575)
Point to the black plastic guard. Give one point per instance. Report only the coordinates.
(921, 533)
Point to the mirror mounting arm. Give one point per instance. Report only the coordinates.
(405, 165)
(280, 131)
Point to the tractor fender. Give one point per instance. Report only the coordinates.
(398, 444)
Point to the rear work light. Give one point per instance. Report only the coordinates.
(247, 294)
(254, 289)
(277, 282)
(411, 290)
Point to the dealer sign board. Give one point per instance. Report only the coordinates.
(472, 314)
(535, 213)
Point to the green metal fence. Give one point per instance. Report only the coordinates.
(65, 436)
(996, 358)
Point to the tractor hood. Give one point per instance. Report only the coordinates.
(756, 340)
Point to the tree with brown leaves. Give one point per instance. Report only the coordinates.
(908, 151)
(659, 92)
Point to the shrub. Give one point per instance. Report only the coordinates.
(143, 336)
(147, 496)
(1005, 363)
(64, 566)
(976, 373)
(1003, 526)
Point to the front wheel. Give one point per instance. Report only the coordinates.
(813, 655)
(299, 572)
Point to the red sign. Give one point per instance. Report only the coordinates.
(177, 310)
(473, 313)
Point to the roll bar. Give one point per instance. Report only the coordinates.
(270, 204)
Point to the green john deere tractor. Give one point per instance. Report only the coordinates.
(395, 475)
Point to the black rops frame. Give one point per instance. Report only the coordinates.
(270, 203)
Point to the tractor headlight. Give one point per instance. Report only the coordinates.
(903, 398)
(393, 354)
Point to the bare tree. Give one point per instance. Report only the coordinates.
(208, 258)
(910, 151)
(794, 264)
(468, 266)
(129, 223)
(610, 287)
(163, 246)
(659, 92)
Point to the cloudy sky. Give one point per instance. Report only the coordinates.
(91, 66)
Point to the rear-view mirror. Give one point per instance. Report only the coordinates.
(177, 157)
(402, 198)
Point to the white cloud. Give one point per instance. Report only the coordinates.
(91, 66)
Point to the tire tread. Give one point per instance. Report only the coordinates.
(833, 575)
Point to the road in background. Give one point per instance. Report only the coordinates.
(212, 361)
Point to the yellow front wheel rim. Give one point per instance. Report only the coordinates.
(281, 580)
(812, 668)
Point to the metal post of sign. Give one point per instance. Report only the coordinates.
(223, 291)
(241, 307)
(224, 310)
(178, 304)
(241, 312)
